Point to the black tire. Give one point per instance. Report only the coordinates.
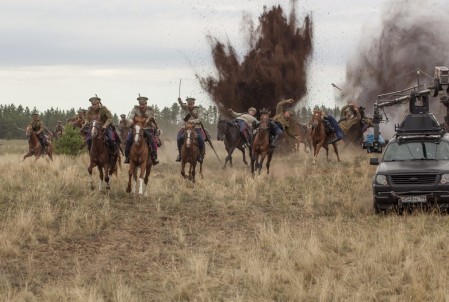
(377, 210)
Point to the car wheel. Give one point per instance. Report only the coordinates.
(376, 208)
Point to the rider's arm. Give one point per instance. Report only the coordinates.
(183, 105)
(280, 106)
(108, 115)
(234, 114)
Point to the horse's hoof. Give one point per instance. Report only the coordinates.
(128, 190)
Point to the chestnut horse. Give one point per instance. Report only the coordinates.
(101, 158)
(138, 158)
(261, 144)
(190, 152)
(320, 137)
(35, 147)
(229, 132)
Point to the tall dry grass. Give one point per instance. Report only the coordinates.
(304, 233)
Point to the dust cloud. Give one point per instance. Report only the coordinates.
(274, 67)
(413, 35)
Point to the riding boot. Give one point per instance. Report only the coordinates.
(201, 155)
(333, 138)
(245, 140)
(127, 150)
(178, 158)
(273, 141)
(154, 159)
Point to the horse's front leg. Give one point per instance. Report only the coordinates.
(260, 163)
(336, 151)
(192, 172)
(316, 151)
(130, 175)
(147, 175)
(183, 169)
(27, 155)
(327, 152)
(89, 169)
(141, 176)
(244, 155)
(228, 150)
(134, 179)
(107, 177)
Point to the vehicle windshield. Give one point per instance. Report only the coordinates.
(417, 151)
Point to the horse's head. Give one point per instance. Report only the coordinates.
(138, 133)
(317, 117)
(264, 119)
(96, 130)
(221, 129)
(28, 131)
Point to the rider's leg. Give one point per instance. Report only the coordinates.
(201, 144)
(152, 146)
(129, 143)
(243, 132)
(276, 134)
(180, 141)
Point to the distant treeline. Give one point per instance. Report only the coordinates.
(13, 118)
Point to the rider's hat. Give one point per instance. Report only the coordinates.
(35, 112)
(252, 109)
(122, 115)
(190, 100)
(142, 99)
(95, 99)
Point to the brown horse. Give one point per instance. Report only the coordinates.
(190, 152)
(261, 144)
(35, 147)
(101, 158)
(320, 137)
(138, 158)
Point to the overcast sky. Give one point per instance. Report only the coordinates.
(59, 53)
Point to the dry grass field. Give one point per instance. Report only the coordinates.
(303, 233)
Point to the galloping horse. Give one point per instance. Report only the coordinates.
(35, 147)
(229, 132)
(261, 144)
(138, 158)
(320, 137)
(100, 157)
(190, 152)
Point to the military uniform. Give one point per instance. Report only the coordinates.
(281, 123)
(104, 119)
(192, 115)
(59, 129)
(38, 127)
(79, 119)
(124, 126)
(149, 127)
(245, 121)
(346, 121)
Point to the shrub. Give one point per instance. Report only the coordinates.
(70, 143)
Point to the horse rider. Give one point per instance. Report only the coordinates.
(59, 129)
(193, 115)
(103, 116)
(332, 127)
(281, 122)
(79, 118)
(123, 126)
(245, 121)
(150, 128)
(38, 127)
(350, 116)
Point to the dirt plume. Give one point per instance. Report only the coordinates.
(412, 36)
(274, 67)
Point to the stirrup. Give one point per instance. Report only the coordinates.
(154, 160)
(178, 159)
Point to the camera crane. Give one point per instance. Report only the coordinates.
(419, 123)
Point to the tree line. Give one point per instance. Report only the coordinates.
(14, 118)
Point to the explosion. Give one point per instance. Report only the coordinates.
(273, 69)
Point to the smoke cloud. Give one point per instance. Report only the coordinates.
(274, 67)
(413, 35)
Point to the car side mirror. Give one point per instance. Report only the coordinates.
(374, 161)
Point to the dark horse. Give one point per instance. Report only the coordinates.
(229, 132)
(101, 158)
(320, 137)
(190, 152)
(138, 158)
(261, 144)
(35, 147)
